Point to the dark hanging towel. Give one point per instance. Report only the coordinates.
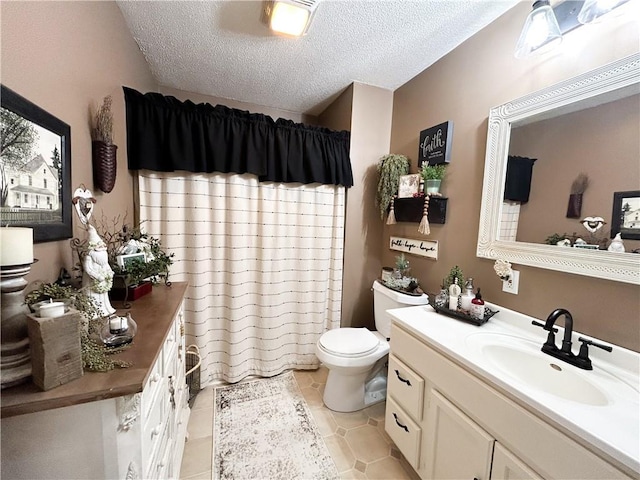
(165, 135)
(518, 183)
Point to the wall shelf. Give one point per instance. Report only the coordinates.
(410, 209)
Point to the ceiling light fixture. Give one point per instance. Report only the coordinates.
(545, 25)
(593, 10)
(540, 32)
(289, 17)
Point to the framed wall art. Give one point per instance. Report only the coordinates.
(625, 218)
(35, 169)
(435, 144)
(408, 185)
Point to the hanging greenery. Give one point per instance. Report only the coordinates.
(390, 168)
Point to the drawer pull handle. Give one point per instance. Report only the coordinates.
(399, 424)
(155, 377)
(156, 431)
(403, 380)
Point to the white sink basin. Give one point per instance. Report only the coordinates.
(543, 372)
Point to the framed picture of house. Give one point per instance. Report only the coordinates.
(625, 218)
(35, 169)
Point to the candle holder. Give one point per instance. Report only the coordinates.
(15, 357)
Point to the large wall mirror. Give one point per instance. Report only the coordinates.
(585, 125)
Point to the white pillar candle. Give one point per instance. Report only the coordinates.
(52, 309)
(16, 246)
(118, 324)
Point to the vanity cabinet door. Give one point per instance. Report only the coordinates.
(506, 466)
(456, 447)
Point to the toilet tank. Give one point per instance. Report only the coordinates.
(385, 299)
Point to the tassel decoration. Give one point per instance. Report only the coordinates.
(391, 219)
(424, 223)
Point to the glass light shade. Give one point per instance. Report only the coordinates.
(540, 32)
(592, 10)
(289, 19)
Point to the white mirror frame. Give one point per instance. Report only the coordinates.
(621, 267)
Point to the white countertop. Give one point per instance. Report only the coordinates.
(613, 427)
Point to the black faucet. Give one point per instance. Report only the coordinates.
(568, 330)
(564, 353)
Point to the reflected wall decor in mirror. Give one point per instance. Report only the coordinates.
(602, 108)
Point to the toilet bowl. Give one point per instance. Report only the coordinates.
(350, 355)
(357, 357)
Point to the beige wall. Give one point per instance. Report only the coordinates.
(66, 57)
(463, 86)
(369, 111)
(601, 142)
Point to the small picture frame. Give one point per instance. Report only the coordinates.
(625, 218)
(409, 185)
(125, 260)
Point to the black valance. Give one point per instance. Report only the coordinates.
(165, 134)
(518, 179)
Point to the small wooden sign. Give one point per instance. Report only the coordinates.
(435, 144)
(422, 248)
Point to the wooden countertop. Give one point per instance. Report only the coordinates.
(153, 314)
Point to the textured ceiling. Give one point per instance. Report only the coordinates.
(221, 48)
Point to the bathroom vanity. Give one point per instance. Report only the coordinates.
(485, 403)
(126, 423)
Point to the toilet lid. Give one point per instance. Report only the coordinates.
(349, 342)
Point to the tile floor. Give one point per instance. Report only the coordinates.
(357, 442)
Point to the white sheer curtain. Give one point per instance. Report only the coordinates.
(263, 262)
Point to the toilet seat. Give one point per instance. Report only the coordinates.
(349, 342)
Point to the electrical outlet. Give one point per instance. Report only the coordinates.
(511, 285)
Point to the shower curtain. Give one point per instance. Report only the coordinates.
(263, 261)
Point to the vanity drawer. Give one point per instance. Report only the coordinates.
(151, 388)
(154, 423)
(404, 432)
(406, 386)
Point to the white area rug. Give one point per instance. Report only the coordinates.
(263, 429)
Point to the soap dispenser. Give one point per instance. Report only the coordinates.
(454, 293)
(467, 295)
(477, 306)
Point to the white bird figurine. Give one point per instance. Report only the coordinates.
(617, 245)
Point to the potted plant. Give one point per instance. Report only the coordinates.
(137, 259)
(432, 176)
(390, 168)
(103, 150)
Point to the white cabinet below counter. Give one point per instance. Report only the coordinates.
(463, 426)
(127, 423)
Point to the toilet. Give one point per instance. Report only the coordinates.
(357, 357)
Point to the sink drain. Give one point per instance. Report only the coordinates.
(555, 367)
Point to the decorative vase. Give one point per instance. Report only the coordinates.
(104, 165)
(574, 208)
(432, 186)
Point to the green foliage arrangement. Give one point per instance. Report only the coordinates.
(402, 264)
(455, 272)
(117, 234)
(95, 357)
(433, 172)
(390, 168)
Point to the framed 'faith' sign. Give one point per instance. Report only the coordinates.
(435, 144)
